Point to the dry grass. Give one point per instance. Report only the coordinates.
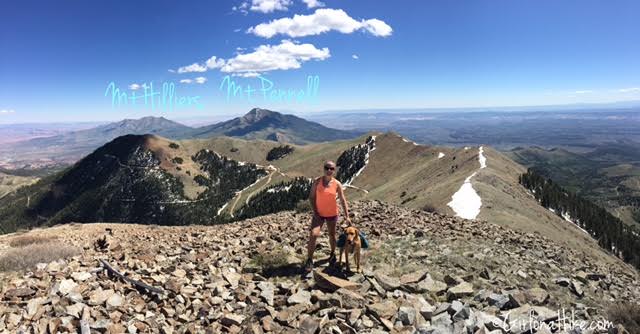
(29, 239)
(28, 256)
(625, 314)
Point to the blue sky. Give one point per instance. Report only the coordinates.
(58, 57)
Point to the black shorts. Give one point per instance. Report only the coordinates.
(319, 220)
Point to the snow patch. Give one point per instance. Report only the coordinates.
(482, 158)
(222, 208)
(466, 202)
(440, 155)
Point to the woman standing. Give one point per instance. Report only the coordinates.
(323, 201)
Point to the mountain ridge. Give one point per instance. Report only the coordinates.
(255, 124)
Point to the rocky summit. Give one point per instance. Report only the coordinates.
(424, 272)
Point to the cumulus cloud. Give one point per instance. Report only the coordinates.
(284, 56)
(313, 3)
(263, 6)
(134, 86)
(354, 56)
(186, 81)
(629, 90)
(211, 63)
(7, 111)
(321, 21)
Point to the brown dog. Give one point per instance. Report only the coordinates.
(351, 245)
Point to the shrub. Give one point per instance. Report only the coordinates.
(271, 260)
(174, 145)
(626, 314)
(429, 208)
(28, 256)
(303, 206)
(29, 239)
(177, 160)
(279, 152)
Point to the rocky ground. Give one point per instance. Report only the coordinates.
(424, 272)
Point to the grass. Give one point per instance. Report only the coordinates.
(271, 260)
(627, 314)
(28, 239)
(28, 256)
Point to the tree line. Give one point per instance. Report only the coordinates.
(610, 232)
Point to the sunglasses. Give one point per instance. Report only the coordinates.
(329, 168)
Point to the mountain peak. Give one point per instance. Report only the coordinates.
(257, 114)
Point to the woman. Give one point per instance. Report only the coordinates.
(323, 201)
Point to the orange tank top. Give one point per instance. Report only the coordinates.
(326, 198)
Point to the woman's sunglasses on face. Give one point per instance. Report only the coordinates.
(329, 168)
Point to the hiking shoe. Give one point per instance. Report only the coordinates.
(332, 258)
(308, 266)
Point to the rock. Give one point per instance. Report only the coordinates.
(33, 306)
(431, 285)
(386, 282)
(498, 300)
(309, 325)
(232, 277)
(99, 297)
(351, 299)
(66, 285)
(232, 319)
(486, 274)
(75, 310)
(19, 292)
(461, 290)
(576, 288)
(563, 281)
(413, 277)
(180, 273)
(426, 310)
(300, 297)
(115, 300)
(442, 320)
(383, 310)
(522, 274)
(462, 314)
(332, 283)
(81, 276)
(267, 290)
(536, 296)
(407, 315)
(595, 276)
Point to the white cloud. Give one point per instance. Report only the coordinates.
(284, 56)
(354, 56)
(629, 90)
(198, 80)
(7, 111)
(583, 92)
(134, 86)
(313, 3)
(321, 21)
(211, 63)
(264, 6)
